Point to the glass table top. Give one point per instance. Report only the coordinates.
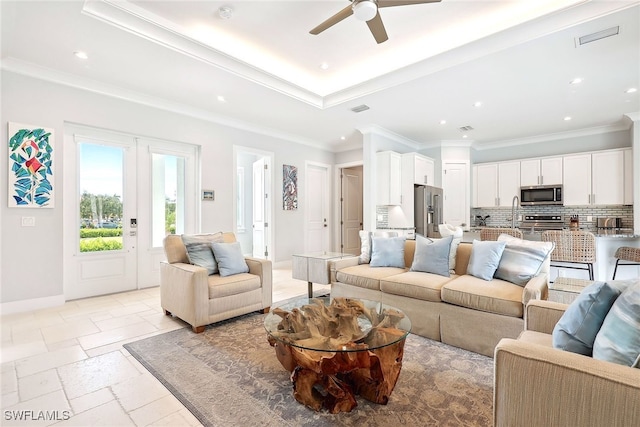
(338, 325)
(324, 255)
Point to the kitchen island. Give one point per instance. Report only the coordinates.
(607, 242)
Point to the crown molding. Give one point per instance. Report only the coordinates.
(70, 80)
(597, 130)
(136, 20)
(379, 130)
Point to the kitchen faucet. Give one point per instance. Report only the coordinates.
(514, 203)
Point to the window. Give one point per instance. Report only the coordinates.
(168, 196)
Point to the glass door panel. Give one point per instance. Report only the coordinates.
(101, 185)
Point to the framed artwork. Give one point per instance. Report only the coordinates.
(209, 195)
(30, 166)
(289, 188)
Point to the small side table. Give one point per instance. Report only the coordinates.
(567, 289)
(314, 267)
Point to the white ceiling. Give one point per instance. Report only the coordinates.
(516, 56)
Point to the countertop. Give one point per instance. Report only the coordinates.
(613, 233)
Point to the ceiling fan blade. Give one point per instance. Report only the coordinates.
(377, 29)
(344, 13)
(390, 3)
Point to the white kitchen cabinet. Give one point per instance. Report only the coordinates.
(485, 185)
(628, 176)
(607, 177)
(417, 169)
(389, 177)
(544, 171)
(508, 182)
(576, 179)
(596, 178)
(495, 184)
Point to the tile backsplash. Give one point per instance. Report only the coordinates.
(502, 216)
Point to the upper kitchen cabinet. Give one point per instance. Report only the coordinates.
(596, 178)
(495, 184)
(389, 178)
(417, 169)
(545, 171)
(628, 176)
(607, 178)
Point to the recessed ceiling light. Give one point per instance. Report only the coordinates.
(464, 136)
(576, 81)
(343, 137)
(324, 66)
(443, 122)
(631, 90)
(567, 118)
(221, 98)
(477, 104)
(225, 12)
(80, 54)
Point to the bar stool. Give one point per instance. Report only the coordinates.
(626, 253)
(572, 247)
(492, 233)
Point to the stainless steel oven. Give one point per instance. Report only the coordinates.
(538, 195)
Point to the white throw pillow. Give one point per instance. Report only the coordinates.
(452, 230)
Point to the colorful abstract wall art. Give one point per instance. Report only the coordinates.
(30, 166)
(289, 188)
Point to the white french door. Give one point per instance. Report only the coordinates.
(123, 195)
(259, 211)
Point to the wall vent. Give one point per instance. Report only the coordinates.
(613, 31)
(360, 108)
(465, 128)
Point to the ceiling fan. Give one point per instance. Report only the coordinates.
(367, 10)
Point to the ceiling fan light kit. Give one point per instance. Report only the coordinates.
(364, 10)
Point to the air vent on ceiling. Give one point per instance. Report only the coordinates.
(465, 128)
(360, 108)
(613, 31)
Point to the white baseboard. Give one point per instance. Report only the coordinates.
(31, 304)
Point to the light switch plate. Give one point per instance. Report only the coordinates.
(28, 221)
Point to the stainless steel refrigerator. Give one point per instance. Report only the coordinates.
(428, 210)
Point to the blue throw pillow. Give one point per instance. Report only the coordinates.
(618, 340)
(485, 257)
(230, 258)
(432, 256)
(521, 259)
(199, 250)
(387, 251)
(577, 328)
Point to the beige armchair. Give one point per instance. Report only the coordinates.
(187, 292)
(537, 385)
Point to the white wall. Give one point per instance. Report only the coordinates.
(31, 264)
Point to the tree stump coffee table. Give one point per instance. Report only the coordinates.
(340, 349)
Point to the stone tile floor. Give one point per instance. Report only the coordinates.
(69, 361)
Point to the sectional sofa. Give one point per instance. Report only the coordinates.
(460, 310)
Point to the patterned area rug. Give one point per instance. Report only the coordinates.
(229, 376)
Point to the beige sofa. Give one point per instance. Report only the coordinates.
(537, 385)
(187, 292)
(460, 310)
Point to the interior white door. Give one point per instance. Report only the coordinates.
(351, 209)
(259, 217)
(455, 208)
(317, 208)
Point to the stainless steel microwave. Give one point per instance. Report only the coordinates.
(541, 195)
